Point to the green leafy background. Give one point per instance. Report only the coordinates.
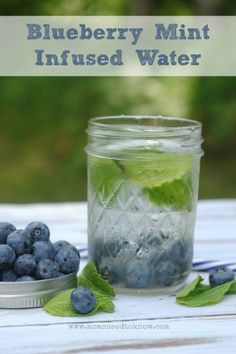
(43, 120)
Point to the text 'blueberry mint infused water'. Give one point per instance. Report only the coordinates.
(143, 177)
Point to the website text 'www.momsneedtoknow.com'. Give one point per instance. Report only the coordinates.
(119, 326)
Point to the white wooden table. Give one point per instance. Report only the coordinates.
(153, 323)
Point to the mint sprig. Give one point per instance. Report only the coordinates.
(190, 288)
(105, 179)
(198, 294)
(60, 305)
(177, 194)
(232, 289)
(90, 278)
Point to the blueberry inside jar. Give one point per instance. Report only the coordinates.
(143, 177)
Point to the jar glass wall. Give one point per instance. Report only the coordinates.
(143, 177)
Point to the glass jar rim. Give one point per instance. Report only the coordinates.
(140, 125)
(179, 135)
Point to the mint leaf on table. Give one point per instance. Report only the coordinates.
(232, 289)
(197, 294)
(190, 288)
(207, 297)
(60, 305)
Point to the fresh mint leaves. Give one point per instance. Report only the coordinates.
(232, 289)
(164, 178)
(197, 294)
(165, 181)
(190, 288)
(90, 278)
(177, 193)
(60, 305)
(162, 168)
(105, 179)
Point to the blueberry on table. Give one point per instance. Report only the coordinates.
(5, 230)
(47, 269)
(83, 300)
(68, 261)
(25, 265)
(59, 245)
(25, 278)
(37, 231)
(220, 276)
(138, 274)
(20, 242)
(8, 275)
(43, 250)
(7, 257)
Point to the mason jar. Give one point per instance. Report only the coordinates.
(143, 174)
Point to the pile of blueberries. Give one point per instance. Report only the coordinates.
(152, 261)
(28, 254)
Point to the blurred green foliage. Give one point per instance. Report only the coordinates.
(43, 120)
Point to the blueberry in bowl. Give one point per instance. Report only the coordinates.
(25, 265)
(47, 269)
(5, 230)
(68, 260)
(30, 255)
(62, 244)
(20, 242)
(43, 250)
(8, 276)
(7, 257)
(29, 271)
(37, 231)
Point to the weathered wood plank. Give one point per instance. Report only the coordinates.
(210, 335)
